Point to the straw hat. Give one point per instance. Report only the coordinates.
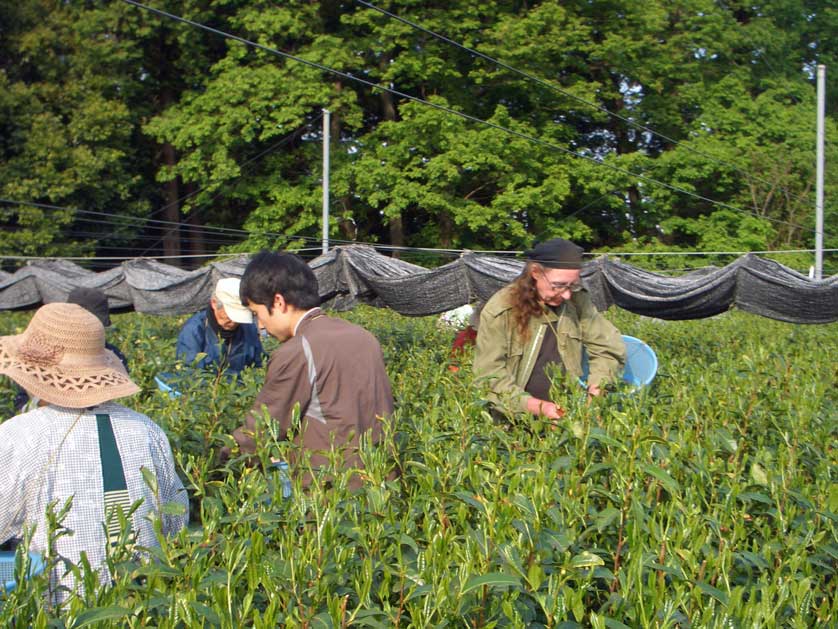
(61, 358)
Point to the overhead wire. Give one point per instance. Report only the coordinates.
(142, 238)
(137, 220)
(130, 258)
(460, 114)
(270, 149)
(571, 95)
(188, 229)
(442, 252)
(708, 253)
(245, 163)
(121, 217)
(114, 219)
(374, 245)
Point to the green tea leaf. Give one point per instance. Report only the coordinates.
(669, 483)
(493, 580)
(99, 614)
(586, 559)
(605, 518)
(207, 613)
(756, 497)
(173, 508)
(150, 479)
(322, 621)
(709, 590)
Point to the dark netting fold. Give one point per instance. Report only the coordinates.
(768, 288)
(357, 274)
(162, 289)
(687, 297)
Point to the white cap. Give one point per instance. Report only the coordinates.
(227, 295)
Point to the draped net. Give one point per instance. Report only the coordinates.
(357, 274)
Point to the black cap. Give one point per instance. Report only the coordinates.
(557, 253)
(93, 300)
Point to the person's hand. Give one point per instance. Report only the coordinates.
(594, 390)
(544, 408)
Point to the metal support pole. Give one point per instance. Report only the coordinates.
(326, 126)
(819, 176)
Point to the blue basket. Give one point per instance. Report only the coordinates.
(641, 363)
(162, 380)
(282, 472)
(7, 568)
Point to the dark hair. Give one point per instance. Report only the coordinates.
(269, 273)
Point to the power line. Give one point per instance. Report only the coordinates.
(142, 238)
(465, 116)
(187, 228)
(705, 253)
(129, 258)
(221, 231)
(458, 252)
(245, 163)
(121, 217)
(558, 89)
(114, 220)
(217, 194)
(377, 246)
(140, 221)
(384, 247)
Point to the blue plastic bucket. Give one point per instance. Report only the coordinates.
(7, 568)
(162, 380)
(282, 472)
(641, 363)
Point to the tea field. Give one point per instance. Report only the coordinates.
(709, 500)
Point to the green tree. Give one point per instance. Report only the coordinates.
(66, 129)
(711, 98)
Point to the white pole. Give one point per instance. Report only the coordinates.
(326, 124)
(819, 176)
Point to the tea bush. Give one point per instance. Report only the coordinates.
(707, 500)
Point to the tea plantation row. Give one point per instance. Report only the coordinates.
(709, 500)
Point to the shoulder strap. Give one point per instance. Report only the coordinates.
(113, 478)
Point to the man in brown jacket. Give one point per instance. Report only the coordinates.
(332, 368)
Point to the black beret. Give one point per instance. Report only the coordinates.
(557, 253)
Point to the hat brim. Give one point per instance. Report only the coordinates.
(77, 387)
(238, 313)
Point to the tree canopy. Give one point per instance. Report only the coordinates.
(617, 123)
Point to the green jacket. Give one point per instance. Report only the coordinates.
(506, 362)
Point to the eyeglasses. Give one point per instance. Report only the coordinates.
(573, 287)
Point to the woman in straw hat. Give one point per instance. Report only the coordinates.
(79, 445)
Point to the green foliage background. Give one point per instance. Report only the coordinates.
(708, 501)
(105, 107)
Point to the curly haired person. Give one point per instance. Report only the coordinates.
(540, 322)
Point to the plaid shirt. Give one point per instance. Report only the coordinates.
(52, 453)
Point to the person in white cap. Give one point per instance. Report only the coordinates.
(80, 449)
(224, 332)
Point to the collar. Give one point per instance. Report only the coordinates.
(553, 313)
(307, 315)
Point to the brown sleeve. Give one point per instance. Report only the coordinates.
(286, 384)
